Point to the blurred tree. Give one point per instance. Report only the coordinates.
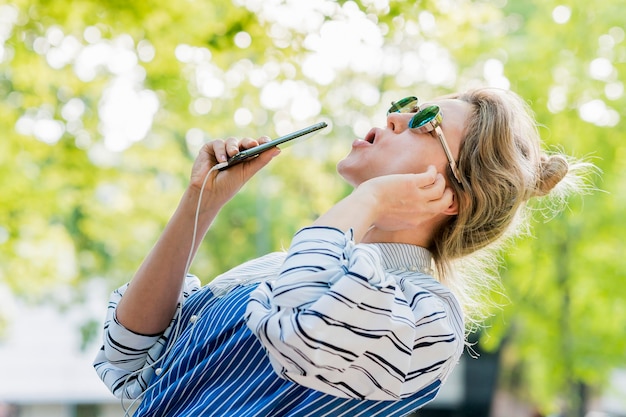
(567, 315)
(105, 104)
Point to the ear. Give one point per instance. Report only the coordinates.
(453, 208)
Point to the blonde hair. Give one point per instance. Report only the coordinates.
(502, 165)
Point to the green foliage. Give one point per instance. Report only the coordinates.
(566, 284)
(79, 205)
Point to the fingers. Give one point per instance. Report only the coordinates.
(224, 149)
(234, 145)
(219, 150)
(434, 190)
(255, 164)
(428, 178)
(447, 199)
(432, 183)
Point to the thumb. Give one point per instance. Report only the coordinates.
(260, 161)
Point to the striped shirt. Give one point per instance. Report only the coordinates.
(331, 328)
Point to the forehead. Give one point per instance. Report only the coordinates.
(448, 104)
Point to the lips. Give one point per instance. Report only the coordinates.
(371, 136)
(367, 141)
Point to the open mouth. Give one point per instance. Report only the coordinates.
(371, 136)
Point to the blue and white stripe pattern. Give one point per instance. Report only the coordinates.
(329, 329)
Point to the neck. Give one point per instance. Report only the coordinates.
(421, 235)
(410, 236)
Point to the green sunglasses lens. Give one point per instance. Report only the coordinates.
(424, 116)
(405, 105)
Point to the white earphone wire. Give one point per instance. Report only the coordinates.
(177, 315)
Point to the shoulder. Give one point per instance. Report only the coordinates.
(418, 285)
(269, 262)
(253, 271)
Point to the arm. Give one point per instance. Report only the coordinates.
(336, 322)
(150, 301)
(127, 361)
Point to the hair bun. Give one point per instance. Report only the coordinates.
(552, 169)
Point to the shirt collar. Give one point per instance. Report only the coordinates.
(405, 256)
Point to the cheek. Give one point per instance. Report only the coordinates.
(358, 167)
(417, 159)
(399, 156)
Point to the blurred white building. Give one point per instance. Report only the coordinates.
(44, 372)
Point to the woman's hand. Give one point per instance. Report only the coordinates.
(151, 300)
(223, 185)
(399, 203)
(404, 201)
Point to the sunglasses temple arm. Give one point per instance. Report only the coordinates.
(446, 149)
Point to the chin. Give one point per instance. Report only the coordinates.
(350, 173)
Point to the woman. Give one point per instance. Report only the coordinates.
(352, 320)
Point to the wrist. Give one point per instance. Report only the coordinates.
(357, 211)
(193, 200)
(367, 202)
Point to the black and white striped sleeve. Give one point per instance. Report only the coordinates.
(125, 360)
(335, 321)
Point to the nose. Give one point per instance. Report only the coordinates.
(398, 122)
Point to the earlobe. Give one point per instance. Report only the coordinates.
(453, 208)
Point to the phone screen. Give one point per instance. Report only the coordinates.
(252, 152)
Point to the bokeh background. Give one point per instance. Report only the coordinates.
(104, 104)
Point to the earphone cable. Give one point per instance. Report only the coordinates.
(178, 313)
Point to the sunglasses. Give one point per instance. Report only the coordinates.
(426, 120)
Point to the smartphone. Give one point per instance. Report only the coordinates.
(252, 152)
